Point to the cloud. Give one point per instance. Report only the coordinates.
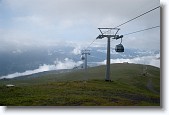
(34, 21)
(66, 64)
(148, 60)
(77, 50)
(73, 19)
(18, 51)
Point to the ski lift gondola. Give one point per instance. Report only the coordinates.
(119, 47)
(82, 57)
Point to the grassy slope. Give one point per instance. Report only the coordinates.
(129, 87)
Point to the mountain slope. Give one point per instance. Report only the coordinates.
(132, 85)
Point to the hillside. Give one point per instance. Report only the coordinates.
(129, 87)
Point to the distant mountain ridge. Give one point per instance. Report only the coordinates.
(22, 60)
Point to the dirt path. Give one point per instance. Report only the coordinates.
(150, 86)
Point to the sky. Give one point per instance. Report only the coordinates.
(28, 23)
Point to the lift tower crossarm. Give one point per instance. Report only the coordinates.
(111, 36)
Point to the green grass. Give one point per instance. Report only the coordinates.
(78, 88)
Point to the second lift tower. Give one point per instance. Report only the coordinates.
(84, 57)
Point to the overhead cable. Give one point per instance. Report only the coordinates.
(141, 30)
(136, 17)
(91, 43)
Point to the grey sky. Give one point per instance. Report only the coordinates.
(47, 22)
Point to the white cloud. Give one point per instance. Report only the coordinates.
(17, 51)
(77, 50)
(78, 47)
(149, 60)
(75, 19)
(34, 20)
(66, 64)
(41, 22)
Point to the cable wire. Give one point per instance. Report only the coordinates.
(90, 43)
(140, 30)
(135, 17)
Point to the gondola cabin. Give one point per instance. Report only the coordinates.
(82, 57)
(119, 48)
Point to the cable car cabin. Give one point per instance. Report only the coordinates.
(82, 57)
(119, 48)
